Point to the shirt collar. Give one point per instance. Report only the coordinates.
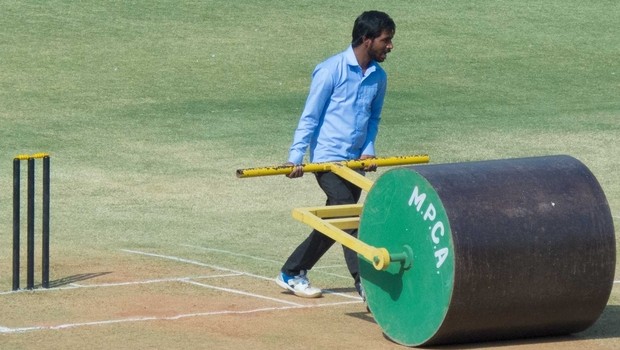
(352, 61)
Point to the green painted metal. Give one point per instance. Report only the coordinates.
(410, 299)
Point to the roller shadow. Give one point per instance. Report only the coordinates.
(339, 290)
(364, 316)
(389, 282)
(606, 327)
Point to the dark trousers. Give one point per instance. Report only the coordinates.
(338, 191)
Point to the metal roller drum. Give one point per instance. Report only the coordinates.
(500, 249)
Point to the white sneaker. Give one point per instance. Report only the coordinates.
(299, 285)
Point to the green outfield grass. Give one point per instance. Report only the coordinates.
(149, 107)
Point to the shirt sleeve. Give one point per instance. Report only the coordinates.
(373, 122)
(320, 91)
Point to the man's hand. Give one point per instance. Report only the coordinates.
(298, 171)
(370, 167)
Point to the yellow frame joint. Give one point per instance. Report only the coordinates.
(331, 221)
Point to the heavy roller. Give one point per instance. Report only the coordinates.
(475, 251)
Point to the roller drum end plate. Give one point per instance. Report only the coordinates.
(404, 214)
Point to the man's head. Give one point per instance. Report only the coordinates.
(374, 30)
(370, 25)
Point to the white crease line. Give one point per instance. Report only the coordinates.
(39, 290)
(97, 285)
(161, 280)
(189, 261)
(356, 297)
(4, 330)
(9, 330)
(218, 276)
(328, 267)
(190, 281)
(267, 260)
(236, 291)
(231, 253)
(194, 262)
(174, 258)
(332, 274)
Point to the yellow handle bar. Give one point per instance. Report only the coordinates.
(317, 167)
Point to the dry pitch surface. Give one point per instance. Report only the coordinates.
(154, 300)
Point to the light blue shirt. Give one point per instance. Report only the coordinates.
(340, 120)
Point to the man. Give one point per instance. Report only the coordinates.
(340, 122)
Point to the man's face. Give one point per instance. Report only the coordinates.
(380, 46)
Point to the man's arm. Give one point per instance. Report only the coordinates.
(320, 92)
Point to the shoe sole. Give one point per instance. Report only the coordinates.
(283, 285)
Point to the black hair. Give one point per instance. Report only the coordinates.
(370, 25)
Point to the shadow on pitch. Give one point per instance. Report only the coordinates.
(364, 316)
(76, 278)
(339, 290)
(606, 327)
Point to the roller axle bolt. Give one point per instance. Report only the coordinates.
(406, 257)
